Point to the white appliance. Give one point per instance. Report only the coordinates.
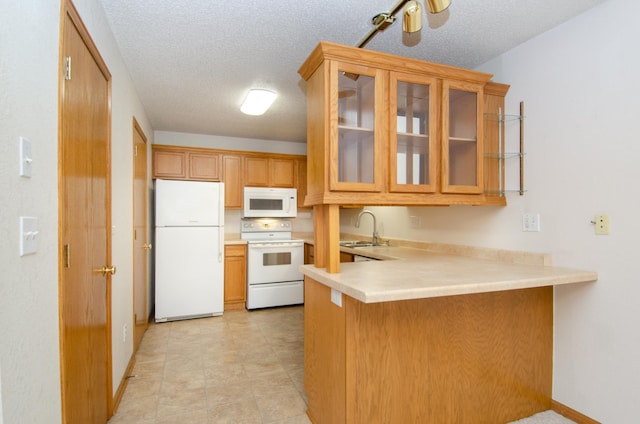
(273, 262)
(269, 202)
(189, 249)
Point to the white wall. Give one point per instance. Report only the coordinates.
(229, 143)
(581, 90)
(29, 352)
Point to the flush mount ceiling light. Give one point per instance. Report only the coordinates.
(411, 20)
(257, 101)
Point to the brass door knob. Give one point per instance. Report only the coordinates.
(147, 246)
(106, 270)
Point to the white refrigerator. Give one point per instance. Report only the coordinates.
(189, 249)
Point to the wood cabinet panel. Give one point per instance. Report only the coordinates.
(269, 172)
(232, 178)
(178, 163)
(256, 172)
(301, 182)
(169, 164)
(324, 355)
(235, 277)
(204, 166)
(282, 173)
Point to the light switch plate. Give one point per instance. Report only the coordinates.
(531, 222)
(28, 235)
(26, 157)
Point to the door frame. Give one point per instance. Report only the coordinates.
(68, 9)
(137, 129)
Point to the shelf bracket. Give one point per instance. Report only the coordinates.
(522, 148)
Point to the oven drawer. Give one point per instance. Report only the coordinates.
(275, 294)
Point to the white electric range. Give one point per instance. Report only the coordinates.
(273, 262)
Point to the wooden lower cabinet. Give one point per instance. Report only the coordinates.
(478, 358)
(235, 276)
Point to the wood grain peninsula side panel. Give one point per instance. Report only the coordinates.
(457, 359)
(324, 354)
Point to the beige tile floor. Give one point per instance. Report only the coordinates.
(242, 367)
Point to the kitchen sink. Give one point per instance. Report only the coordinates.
(360, 243)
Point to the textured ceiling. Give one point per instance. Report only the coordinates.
(192, 61)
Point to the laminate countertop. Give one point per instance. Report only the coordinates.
(434, 270)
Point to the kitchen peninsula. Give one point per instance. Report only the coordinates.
(441, 333)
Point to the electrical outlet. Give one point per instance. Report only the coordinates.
(531, 222)
(124, 333)
(414, 222)
(602, 224)
(336, 297)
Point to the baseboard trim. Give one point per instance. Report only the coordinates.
(572, 414)
(123, 384)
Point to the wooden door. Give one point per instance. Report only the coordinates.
(85, 222)
(462, 131)
(141, 244)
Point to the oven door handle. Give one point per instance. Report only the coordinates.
(279, 244)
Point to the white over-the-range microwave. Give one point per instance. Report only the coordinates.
(268, 202)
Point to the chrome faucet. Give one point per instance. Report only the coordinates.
(374, 238)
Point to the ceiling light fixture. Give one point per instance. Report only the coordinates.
(258, 101)
(412, 17)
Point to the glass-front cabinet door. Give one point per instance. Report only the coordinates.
(357, 134)
(462, 137)
(413, 127)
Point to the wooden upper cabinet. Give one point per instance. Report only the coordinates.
(232, 178)
(236, 169)
(494, 143)
(256, 172)
(169, 164)
(357, 132)
(413, 133)
(177, 163)
(269, 172)
(301, 182)
(204, 166)
(462, 160)
(282, 172)
(390, 130)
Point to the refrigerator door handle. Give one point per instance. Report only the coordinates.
(221, 245)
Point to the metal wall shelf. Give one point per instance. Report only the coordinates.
(503, 118)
